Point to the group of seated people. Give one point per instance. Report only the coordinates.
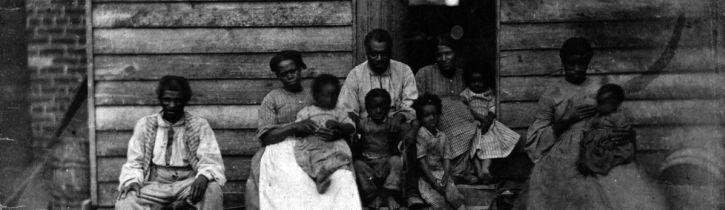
(385, 139)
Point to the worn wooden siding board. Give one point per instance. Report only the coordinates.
(611, 34)
(231, 142)
(221, 40)
(225, 14)
(606, 61)
(659, 112)
(212, 66)
(665, 138)
(233, 194)
(236, 168)
(524, 11)
(659, 86)
(109, 118)
(206, 92)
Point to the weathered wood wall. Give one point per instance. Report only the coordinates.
(673, 107)
(223, 47)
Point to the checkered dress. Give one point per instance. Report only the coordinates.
(458, 124)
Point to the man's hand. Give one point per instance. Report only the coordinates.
(134, 186)
(304, 127)
(197, 189)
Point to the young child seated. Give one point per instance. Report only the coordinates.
(598, 152)
(494, 139)
(434, 154)
(317, 157)
(379, 167)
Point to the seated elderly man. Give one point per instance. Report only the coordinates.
(173, 158)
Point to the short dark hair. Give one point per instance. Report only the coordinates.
(174, 83)
(380, 35)
(576, 45)
(445, 41)
(322, 80)
(477, 67)
(427, 99)
(378, 92)
(616, 90)
(286, 55)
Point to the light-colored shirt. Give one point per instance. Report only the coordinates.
(557, 100)
(434, 148)
(398, 80)
(429, 79)
(210, 162)
(279, 107)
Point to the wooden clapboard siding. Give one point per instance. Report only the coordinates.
(646, 112)
(661, 86)
(231, 142)
(613, 34)
(231, 14)
(596, 10)
(211, 66)
(116, 118)
(236, 168)
(107, 193)
(664, 137)
(206, 92)
(223, 47)
(606, 61)
(220, 40)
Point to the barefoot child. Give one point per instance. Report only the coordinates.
(599, 153)
(494, 139)
(380, 167)
(434, 154)
(317, 157)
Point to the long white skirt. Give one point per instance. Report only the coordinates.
(284, 185)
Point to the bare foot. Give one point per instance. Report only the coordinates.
(323, 185)
(392, 204)
(375, 204)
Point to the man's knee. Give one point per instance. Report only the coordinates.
(130, 202)
(213, 189)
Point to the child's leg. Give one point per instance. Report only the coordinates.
(454, 197)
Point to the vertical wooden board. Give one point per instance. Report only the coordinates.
(110, 118)
(525, 11)
(220, 40)
(605, 61)
(222, 14)
(205, 66)
(636, 86)
(373, 14)
(607, 34)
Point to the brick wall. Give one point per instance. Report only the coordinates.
(56, 59)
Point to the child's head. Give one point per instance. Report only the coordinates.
(325, 89)
(475, 80)
(377, 104)
(609, 97)
(428, 108)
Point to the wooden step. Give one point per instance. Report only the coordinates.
(478, 196)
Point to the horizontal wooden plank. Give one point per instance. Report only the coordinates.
(205, 92)
(227, 14)
(221, 40)
(226, 66)
(518, 11)
(622, 34)
(231, 142)
(657, 86)
(236, 168)
(219, 117)
(667, 138)
(660, 112)
(233, 194)
(651, 162)
(546, 62)
(171, 1)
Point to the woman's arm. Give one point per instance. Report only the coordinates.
(276, 135)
